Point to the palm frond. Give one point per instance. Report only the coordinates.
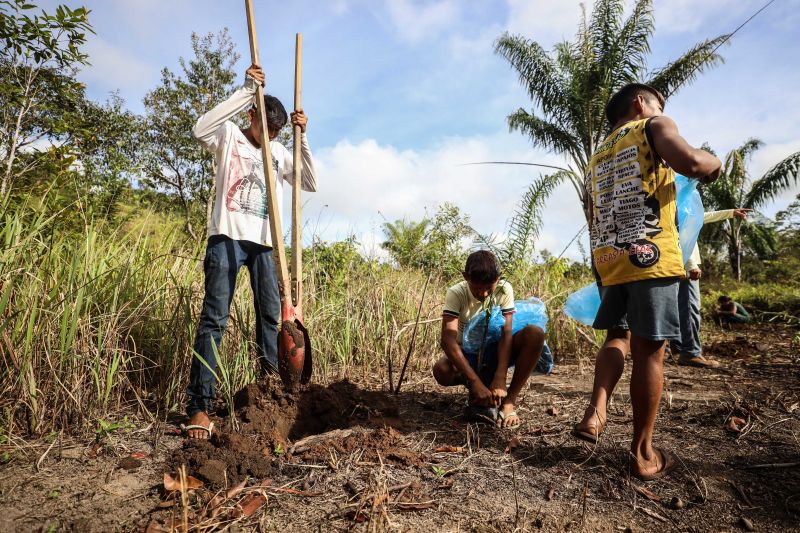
(773, 182)
(538, 73)
(526, 223)
(633, 45)
(544, 134)
(686, 68)
(762, 239)
(605, 25)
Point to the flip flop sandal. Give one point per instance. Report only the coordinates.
(209, 429)
(667, 466)
(501, 417)
(586, 435)
(480, 414)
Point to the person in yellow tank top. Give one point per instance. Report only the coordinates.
(636, 258)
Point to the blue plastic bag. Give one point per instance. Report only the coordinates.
(690, 214)
(583, 304)
(528, 312)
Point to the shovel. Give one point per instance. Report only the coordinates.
(297, 210)
(291, 338)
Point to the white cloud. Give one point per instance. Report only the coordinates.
(544, 21)
(363, 184)
(415, 20)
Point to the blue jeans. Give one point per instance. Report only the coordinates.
(689, 311)
(224, 257)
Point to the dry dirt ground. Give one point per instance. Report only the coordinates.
(410, 463)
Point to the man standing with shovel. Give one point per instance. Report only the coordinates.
(239, 232)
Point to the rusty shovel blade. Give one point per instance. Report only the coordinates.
(291, 349)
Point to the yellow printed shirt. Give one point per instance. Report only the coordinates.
(634, 230)
(459, 302)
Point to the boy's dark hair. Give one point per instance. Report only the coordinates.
(276, 113)
(724, 299)
(482, 267)
(619, 105)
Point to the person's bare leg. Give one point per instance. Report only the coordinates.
(527, 346)
(607, 370)
(647, 380)
(446, 374)
(200, 418)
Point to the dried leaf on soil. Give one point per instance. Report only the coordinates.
(251, 503)
(735, 424)
(449, 449)
(171, 484)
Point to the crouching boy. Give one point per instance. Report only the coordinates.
(488, 396)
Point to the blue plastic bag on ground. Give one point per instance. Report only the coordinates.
(583, 304)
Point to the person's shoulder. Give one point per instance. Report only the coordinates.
(661, 123)
(278, 148)
(504, 286)
(458, 288)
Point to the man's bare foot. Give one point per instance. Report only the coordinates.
(201, 419)
(659, 464)
(507, 417)
(591, 427)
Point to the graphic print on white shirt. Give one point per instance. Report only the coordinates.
(247, 192)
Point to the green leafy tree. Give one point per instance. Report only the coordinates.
(174, 161)
(405, 240)
(571, 85)
(39, 96)
(435, 245)
(735, 188)
(108, 147)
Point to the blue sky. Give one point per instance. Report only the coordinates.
(401, 92)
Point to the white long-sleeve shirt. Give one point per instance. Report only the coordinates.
(708, 217)
(240, 205)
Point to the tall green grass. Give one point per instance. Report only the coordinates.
(103, 320)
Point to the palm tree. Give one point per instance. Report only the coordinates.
(733, 189)
(572, 85)
(405, 239)
(523, 228)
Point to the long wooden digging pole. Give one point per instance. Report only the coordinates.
(297, 236)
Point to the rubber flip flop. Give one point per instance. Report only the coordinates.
(209, 429)
(501, 418)
(667, 466)
(478, 413)
(586, 435)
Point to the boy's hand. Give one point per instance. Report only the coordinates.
(741, 212)
(255, 72)
(498, 389)
(480, 394)
(299, 118)
(695, 274)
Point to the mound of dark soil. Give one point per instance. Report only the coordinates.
(267, 419)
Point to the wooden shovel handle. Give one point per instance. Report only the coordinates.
(297, 237)
(279, 250)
